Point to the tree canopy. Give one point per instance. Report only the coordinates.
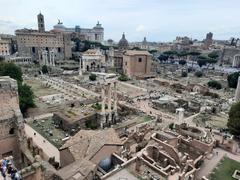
(26, 95)
(198, 74)
(182, 62)
(44, 69)
(82, 46)
(194, 53)
(213, 55)
(92, 77)
(234, 119)
(10, 69)
(233, 79)
(123, 77)
(215, 84)
(163, 57)
(201, 61)
(170, 53)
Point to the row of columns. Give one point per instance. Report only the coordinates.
(106, 117)
(51, 55)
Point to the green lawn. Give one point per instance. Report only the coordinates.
(225, 170)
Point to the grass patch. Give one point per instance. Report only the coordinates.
(225, 170)
(147, 118)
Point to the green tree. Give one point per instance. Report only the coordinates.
(152, 51)
(1, 58)
(184, 74)
(26, 97)
(163, 57)
(202, 61)
(170, 53)
(213, 55)
(194, 56)
(10, 69)
(234, 119)
(198, 74)
(210, 61)
(123, 77)
(233, 79)
(214, 84)
(182, 62)
(44, 69)
(92, 77)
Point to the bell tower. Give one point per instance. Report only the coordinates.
(41, 25)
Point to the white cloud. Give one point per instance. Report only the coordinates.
(141, 28)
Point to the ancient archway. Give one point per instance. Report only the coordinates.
(236, 61)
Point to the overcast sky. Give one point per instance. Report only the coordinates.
(158, 20)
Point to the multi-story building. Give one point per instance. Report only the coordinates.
(41, 45)
(208, 41)
(5, 47)
(137, 63)
(96, 34)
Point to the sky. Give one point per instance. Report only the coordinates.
(157, 20)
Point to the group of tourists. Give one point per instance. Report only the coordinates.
(8, 170)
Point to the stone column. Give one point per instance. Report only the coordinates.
(50, 58)
(109, 103)
(39, 57)
(45, 57)
(103, 113)
(83, 65)
(53, 58)
(115, 100)
(237, 92)
(80, 66)
(180, 112)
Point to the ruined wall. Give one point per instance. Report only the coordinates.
(47, 148)
(169, 149)
(202, 147)
(66, 157)
(10, 117)
(228, 55)
(104, 152)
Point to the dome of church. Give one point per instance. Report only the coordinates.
(123, 43)
(59, 26)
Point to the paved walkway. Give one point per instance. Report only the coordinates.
(210, 164)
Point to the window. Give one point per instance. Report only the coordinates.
(33, 50)
(125, 63)
(59, 49)
(139, 59)
(11, 131)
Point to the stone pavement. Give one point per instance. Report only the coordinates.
(210, 164)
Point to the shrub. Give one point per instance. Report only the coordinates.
(93, 77)
(233, 79)
(184, 74)
(171, 126)
(234, 119)
(123, 77)
(198, 74)
(44, 69)
(199, 163)
(214, 84)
